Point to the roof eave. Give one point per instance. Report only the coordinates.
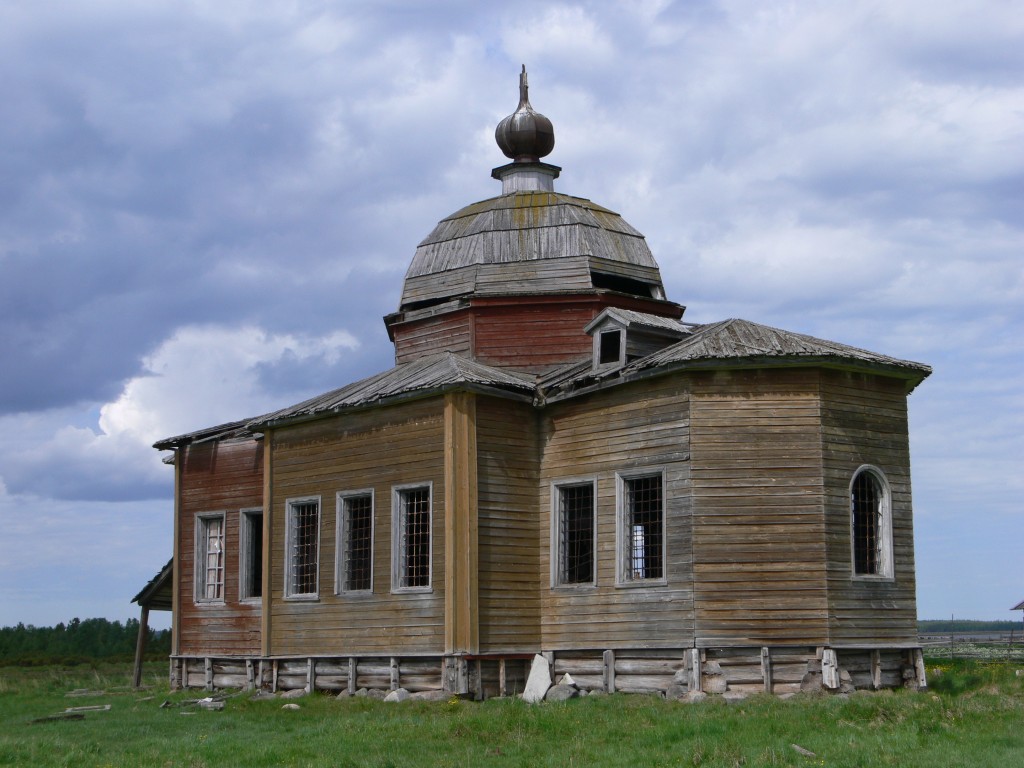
(390, 400)
(913, 376)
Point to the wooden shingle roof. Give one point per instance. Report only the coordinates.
(728, 344)
(420, 377)
(630, 318)
(228, 431)
(157, 594)
(741, 340)
(526, 242)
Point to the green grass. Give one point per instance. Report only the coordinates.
(972, 716)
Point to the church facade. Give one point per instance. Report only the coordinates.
(557, 464)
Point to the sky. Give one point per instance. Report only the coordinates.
(206, 208)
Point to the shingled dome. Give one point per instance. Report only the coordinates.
(530, 242)
(530, 239)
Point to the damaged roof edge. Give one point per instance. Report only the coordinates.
(219, 432)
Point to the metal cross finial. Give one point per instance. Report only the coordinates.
(524, 88)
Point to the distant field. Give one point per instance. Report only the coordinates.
(968, 626)
(972, 716)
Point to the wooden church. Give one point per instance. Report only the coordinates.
(557, 464)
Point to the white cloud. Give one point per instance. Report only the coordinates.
(201, 376)
(566, 34)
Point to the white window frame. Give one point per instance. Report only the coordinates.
(398, 564)
(203, 520)
(556, 533)
(289, 544)
(624, 538)
(245, 544)
(886, 568)
(341, 538)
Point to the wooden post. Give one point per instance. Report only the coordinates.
(140, 646)
(766, 669)
(922, 676)
(273, 681)
(609, 671)
(461, 571)
(876, 669)
(268, 528)
(395, 681)
(829, 669)
(208, 668)
(353, 673)
(310, 675)
(693, 681)
(502, 688)
(179, 469)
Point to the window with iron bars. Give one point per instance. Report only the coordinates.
(412, 538)
(641, 528)
(355, 545)
(303, 547)
(209, 558)
(870, 524)
(575, 528)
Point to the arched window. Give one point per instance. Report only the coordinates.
(871, 526)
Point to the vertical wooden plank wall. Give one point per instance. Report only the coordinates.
(758, 532)
(865, 422)
(218, 476)
(635, 426)
(461, 614)
(509, 557)
(378, 449)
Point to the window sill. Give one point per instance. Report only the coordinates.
(302, 598)
(411, 590)
(590, 587)
(871, 578)
(641, 584)
(355, 594)
(214, 602)
(250, 601)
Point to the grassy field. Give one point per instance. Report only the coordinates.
(972, 716)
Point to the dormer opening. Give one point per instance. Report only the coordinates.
(628, 285)
(609, 347)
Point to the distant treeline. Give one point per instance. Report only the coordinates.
(948, 626)
(78, 641)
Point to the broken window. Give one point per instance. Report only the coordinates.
(209, 558)
(870, 523)
(303, 548)
(250, 575)
(412, 538)
(574, 515)
(355, 547)
(641, 528)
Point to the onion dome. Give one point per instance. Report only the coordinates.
(526, 135)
